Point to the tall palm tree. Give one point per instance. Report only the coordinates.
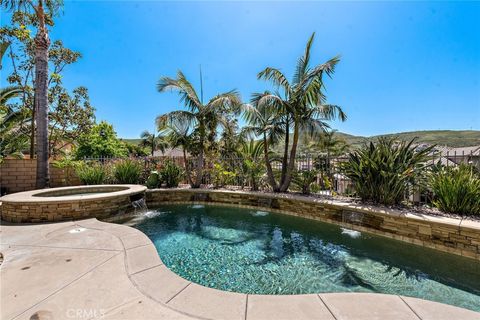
(204, 117)
(178, 134)
(42, 43)
(303, 104)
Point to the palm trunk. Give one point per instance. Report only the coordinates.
(32, 132)
(271, 178)
(153, 144)
(199, 169)
(42, 44)
(285, 152)
(291, 164)
(185, 163)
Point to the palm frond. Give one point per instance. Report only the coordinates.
(276, 77)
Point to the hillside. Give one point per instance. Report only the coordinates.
(451, 138)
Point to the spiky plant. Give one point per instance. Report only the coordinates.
(382, 172)
(456, 190)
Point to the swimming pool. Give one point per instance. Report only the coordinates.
(259, 252)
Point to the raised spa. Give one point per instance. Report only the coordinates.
(70, 203)
(260, 252)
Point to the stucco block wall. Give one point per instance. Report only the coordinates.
(446, 234)
(19, 175)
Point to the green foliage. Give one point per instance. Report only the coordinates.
(71, 116)
(127, 171)
(91, 173)
(153, 180)
(101, 141)
(456, 190)
(382, 172)
(202, 118)
(68, 165)
(304, 179)
(221, 176)
(171, 174)
(253, 164)
(135, 150)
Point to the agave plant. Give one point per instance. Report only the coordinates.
(456, 190)
(382, 172)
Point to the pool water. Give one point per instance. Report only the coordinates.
(259, 252)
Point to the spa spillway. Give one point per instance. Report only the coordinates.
(69, 203)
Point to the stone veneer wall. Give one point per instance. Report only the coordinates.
(445, 234)
(18, 175)
(71, 207)
(61, 211)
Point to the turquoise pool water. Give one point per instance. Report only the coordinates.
(255, 251)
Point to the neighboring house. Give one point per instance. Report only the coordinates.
(170, 153)
(456, 156)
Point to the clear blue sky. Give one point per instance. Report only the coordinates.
(405, 65)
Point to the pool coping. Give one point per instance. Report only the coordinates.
(157, 292)
(145, 267)
(33, 196)
(146, 271)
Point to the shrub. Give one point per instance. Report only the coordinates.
(171, 174)
(382, 172)
(456, 190)
(127, 171)
(153, 180)
(304, 179)
(91, 173)
(221, 176)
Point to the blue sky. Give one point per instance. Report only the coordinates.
(405, 65)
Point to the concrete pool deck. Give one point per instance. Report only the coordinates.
(89, 269)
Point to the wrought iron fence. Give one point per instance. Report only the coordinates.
(232, 172)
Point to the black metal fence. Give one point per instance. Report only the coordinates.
(236, 173)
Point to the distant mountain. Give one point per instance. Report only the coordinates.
(450, 138)
(132, 141)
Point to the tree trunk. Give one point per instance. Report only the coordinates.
(185, 163)
(153, 144)
(42, 44)
(291, 164)
(199, 169)
(32, 132)
(285, 152)
(271, 178)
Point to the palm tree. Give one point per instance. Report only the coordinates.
(152, 141)
(264, 122)
(203, 117)
(178, 134)
(42, 43)
(12, 141)
(251, 152)
(303, 104)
